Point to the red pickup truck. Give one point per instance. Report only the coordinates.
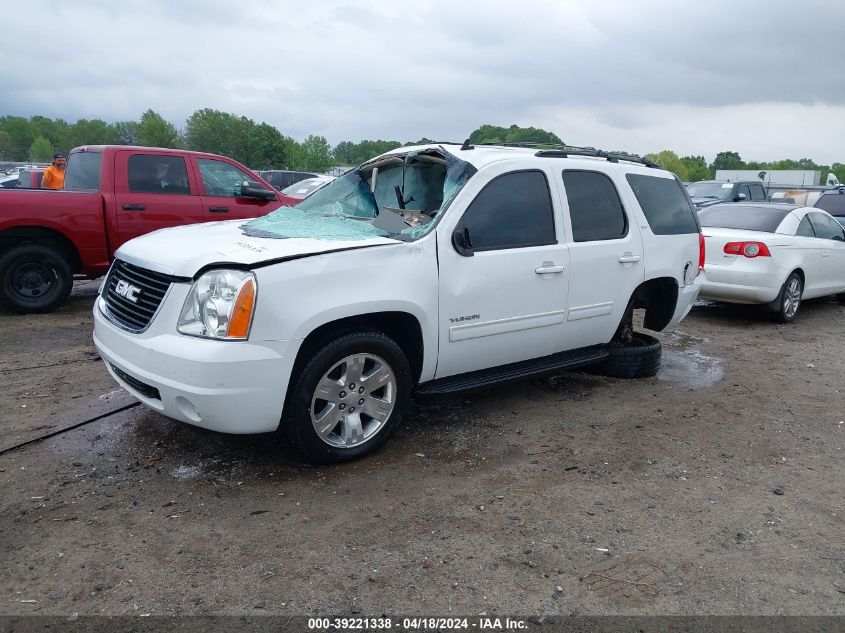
(112, 194)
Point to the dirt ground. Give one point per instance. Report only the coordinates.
(714, 488)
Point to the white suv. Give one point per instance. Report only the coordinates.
(432, 269)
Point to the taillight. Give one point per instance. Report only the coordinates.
(747, 249)
(700, 252)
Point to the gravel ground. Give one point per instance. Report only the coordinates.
(714, 488)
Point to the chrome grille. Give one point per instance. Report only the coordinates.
(127, 282)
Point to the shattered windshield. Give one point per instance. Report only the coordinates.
(396, 196)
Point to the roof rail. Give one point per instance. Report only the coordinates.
(560, 150)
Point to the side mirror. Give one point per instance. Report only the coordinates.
(740, 197)
(461, 241)
(255, 190)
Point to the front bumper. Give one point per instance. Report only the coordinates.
(228, 386)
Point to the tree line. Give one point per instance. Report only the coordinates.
(695, 168)
(262, 146)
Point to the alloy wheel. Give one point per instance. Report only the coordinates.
(792, 298)
(353, 400)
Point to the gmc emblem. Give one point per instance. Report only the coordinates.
(127, 291)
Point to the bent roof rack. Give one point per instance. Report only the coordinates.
(558, 150)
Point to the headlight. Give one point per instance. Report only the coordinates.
(219, 305)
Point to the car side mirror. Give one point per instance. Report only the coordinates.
(255, 190)
(461, 242)
(740, 197)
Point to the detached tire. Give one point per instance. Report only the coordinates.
(638, 359)
(34, 278)
(348, 398)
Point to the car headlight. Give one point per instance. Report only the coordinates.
(219, 305)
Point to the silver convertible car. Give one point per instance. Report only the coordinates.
(772, 254)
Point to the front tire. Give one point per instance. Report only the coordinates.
(789, 299)
(34, 278)
(348, 398)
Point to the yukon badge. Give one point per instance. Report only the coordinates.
(127, 291)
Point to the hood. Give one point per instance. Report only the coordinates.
(184, 250)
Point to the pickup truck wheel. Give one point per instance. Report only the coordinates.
(34, 278)
(349, 397)
(638, 358)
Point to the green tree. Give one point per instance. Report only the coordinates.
(127, 131)
(53, 130)
(267, 147)
(6, 146)
(669, 160)
(154, 131)
(317, 155)
(90, 132)
(697, 168)
(21, 136)
(728, 160)
(41, 150)
(209, 130)
(514, 134)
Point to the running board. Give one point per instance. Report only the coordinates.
(484, 377)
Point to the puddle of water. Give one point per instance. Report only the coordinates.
(688, 367)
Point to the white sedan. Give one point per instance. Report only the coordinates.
(771, 254)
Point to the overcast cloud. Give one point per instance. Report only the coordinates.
(763, 78)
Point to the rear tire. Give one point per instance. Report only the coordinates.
(789, 299)
(34, 278)
(640, 358)
(321, 414)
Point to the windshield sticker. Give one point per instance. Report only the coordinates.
(727, 185)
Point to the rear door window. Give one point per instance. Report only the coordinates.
(595, 209)
(757, 193)
(154, 173)
(512, 211)
(667, 209)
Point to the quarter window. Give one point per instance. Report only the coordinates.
(664, 203)
(512, 211)
(152, 173)
(595, 210)
(805, 229)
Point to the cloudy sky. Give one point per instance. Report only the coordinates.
(765, 78)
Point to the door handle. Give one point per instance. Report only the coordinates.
(825, 253)
(549, 267)
(218, 209)
(133, 207)
(629, 258)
